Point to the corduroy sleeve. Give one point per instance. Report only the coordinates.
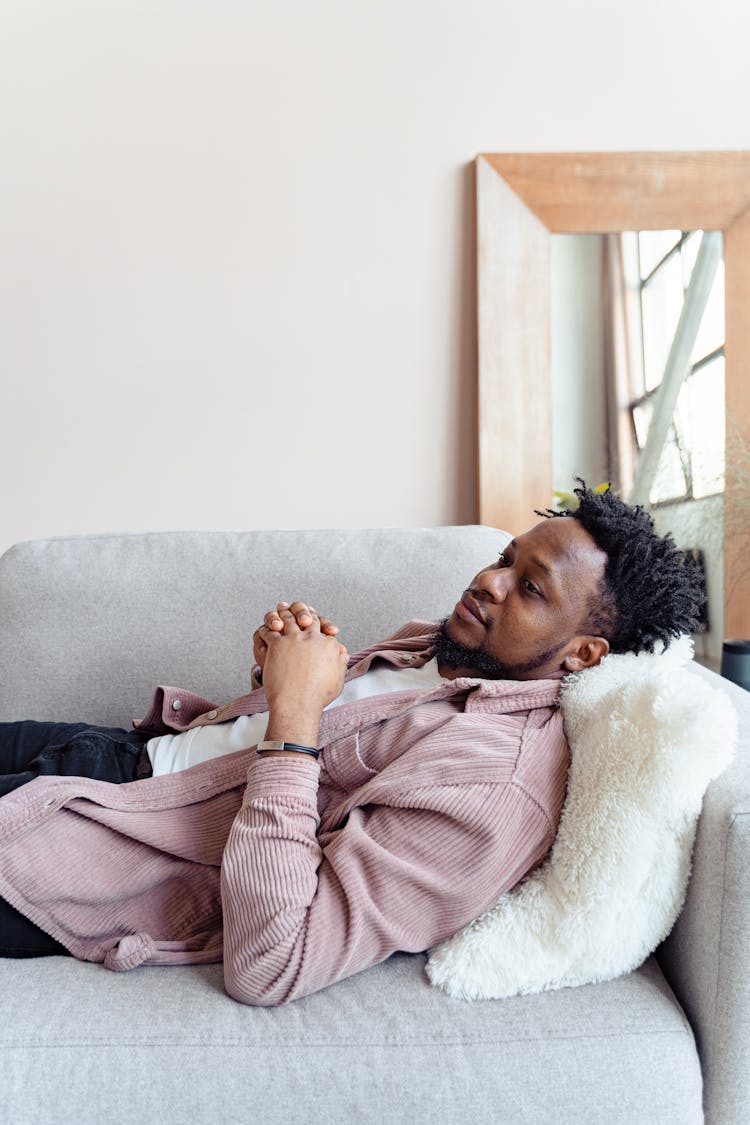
(301, 912)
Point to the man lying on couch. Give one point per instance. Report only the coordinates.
(348, 807)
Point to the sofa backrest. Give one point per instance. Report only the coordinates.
(89, 624)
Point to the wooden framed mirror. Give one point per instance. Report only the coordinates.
(522, 200)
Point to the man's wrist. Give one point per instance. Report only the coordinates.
(294, 726)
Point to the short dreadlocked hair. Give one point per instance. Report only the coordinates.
(651, 591)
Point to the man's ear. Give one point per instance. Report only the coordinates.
(585, 652)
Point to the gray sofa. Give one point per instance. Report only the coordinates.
(88, 626)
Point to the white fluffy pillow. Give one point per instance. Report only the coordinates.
(646, 737)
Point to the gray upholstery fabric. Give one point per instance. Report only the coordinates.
(88, 626)
(707, 955)
(166, 1046)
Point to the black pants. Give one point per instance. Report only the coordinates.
(29, 750)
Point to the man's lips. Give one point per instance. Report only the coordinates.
(469, 609)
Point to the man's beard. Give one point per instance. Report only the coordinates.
(453, 654)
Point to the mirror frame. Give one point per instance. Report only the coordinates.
(522, 200)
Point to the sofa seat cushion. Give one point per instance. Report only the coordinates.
(167, 1045)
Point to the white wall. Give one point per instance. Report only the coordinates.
(236, 239)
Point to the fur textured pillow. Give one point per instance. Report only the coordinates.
(646, 737)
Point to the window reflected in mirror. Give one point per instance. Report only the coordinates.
(658, 266)
(638, 358)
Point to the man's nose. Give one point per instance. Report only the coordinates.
(496, 582)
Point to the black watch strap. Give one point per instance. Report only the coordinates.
(296, 747)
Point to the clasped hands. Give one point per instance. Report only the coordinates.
(303, 663)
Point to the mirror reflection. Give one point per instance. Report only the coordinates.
(638, 383)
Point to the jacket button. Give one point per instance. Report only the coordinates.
(176, 704)
(212, 714)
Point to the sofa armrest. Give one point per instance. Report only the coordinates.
(706, 958)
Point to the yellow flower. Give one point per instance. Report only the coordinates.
(568, 501)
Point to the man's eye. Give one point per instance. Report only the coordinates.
(532, 589)
(502, 561)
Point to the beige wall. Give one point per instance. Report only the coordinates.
(236, 240)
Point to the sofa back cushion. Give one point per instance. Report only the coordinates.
(89, 624)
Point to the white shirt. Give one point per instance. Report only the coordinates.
(170, 753)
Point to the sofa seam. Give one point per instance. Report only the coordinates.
(317, 1043)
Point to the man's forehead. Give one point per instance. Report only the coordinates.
(542, 559)
(559, 541)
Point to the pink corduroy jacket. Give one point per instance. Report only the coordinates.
(424, 808)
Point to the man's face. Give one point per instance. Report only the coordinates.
(521, 617)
